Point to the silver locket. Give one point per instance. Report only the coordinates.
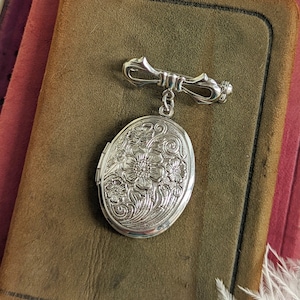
(145, 175)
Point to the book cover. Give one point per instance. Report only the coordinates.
(60, 246)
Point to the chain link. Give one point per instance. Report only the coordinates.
(167, 109)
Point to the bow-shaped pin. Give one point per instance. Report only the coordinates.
(204, 89)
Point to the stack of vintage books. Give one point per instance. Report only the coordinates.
(59, 245)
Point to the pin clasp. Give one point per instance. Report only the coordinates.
(203, 89)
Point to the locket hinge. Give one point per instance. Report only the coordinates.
(100, 164)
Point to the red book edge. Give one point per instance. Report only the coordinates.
(19, 107)
(284, 228)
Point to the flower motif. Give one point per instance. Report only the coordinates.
(176, 169)
(143, 167)
(115, 190)
(139, 135)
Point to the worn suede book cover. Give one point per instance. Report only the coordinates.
(60, 246)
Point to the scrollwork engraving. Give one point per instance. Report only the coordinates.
(146, 174)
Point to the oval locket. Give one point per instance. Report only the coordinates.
(145, 176)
